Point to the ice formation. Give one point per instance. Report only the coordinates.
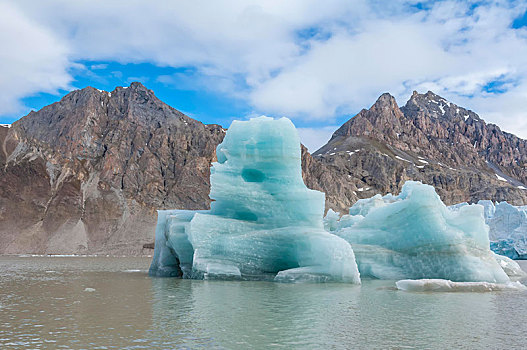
(440, 285)
(264, 223)
(508, 228)
(414, 235)
(510, 267)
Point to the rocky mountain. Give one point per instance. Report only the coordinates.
(85, 175)
(431, 140)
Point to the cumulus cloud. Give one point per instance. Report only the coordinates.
(310, 60)
(32, 59)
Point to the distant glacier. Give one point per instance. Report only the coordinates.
(507, 227)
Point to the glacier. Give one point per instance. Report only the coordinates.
(414, 235)
(508, 227)
(263, 224)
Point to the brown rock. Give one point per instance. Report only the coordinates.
(86, 174)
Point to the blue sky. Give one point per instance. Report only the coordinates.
(205, 105)
(318, 64)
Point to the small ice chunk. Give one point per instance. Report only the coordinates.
(89, 290)
(331, 220)
(440, 285)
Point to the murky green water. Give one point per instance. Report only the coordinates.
(111, 303)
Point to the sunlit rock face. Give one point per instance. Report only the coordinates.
(414, 235)
(264, 223)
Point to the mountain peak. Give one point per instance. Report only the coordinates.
(384, 113)
(435, 106)
(137, 86)
(428, 96)
(385, 99)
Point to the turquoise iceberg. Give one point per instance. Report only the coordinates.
(414, 235)
(264, 223)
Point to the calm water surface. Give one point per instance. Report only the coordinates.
(111, 303)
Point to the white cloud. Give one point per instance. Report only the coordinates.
(259, 51)
(32, 59)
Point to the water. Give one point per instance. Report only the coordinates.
(111, 303)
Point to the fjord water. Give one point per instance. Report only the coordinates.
(111, 303)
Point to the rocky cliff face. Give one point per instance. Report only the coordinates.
(430, 140)
(85, 175)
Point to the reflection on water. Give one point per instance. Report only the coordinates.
(45, 303)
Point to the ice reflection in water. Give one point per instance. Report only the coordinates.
(43, 304)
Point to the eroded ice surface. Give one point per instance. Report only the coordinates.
(264, 223)
(414, 235)
(508, 228)
(440, 285)
(510, 267)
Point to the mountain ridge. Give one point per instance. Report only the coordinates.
(434, 141)
(85, 175)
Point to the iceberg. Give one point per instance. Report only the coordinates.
(508, 227)
(414, 235)
(264, 223)
(439, 285)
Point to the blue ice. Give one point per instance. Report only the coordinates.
(264, 223)
(414, 236)
(507, 228)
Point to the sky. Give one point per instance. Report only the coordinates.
(316, 62)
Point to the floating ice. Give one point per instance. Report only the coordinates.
(414, 235)
(264, 223)
(439, 285)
